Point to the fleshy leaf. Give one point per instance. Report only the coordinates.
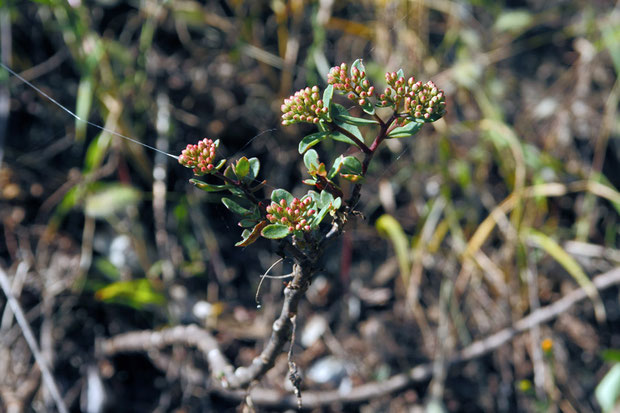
(247, 223)
(221, 163)
(406, 131)
(328, 93)
(325, 199)
(400, 73)
(352, 178)
(235, 207)
(279, 194)
(311, 160)
(208, 187)
(230, 173)
(335, 167)
(339, 109)
(275, 231)
(250, 236)
(320, 216)
(310, 140)
(254, 168)
(311, 182)
(351, 165)
(352, 120)
(242, 167)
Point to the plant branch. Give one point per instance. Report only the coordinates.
(221, 368)
(204, 341)
(383, 132)
(363, 147)
(48, 378)
(238, 185)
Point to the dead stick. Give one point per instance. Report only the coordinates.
(48, 379)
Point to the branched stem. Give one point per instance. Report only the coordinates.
(237, 184)
(363, 147)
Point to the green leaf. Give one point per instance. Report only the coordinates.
(368, 107)
(608, 390)
(208, 187)
(337, 110)
(319, 217)
(220, 164)
(96, 151)
(254, 168)
(235, 207)
(250, 236)
(351, 165)
(571, 266)
(337, 203)
(400, 73)
(230, 173)
(279, 194)
(83, 105)
(275, 231)
(310, 140)
(325, 199)
(352, 178)
(134, 293)
(389, 227)
(611, 354)
(247, 223)
(335, 167)
(328, 93)
(406, 131)
(242, 167)
(309, 181)
(110, 199)
(311, 160)
(354, 120)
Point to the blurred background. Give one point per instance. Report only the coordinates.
(504, 206)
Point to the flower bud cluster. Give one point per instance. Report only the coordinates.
(296, 215)
(423, 102)
(304, 106)
(200, 157)
(357, 87)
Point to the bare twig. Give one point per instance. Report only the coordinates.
(48, 378)
(221, 368)
(204, 341)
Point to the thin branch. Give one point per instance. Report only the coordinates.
(204, 341)
(48, 378)
(364, 148)
(221, 368)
